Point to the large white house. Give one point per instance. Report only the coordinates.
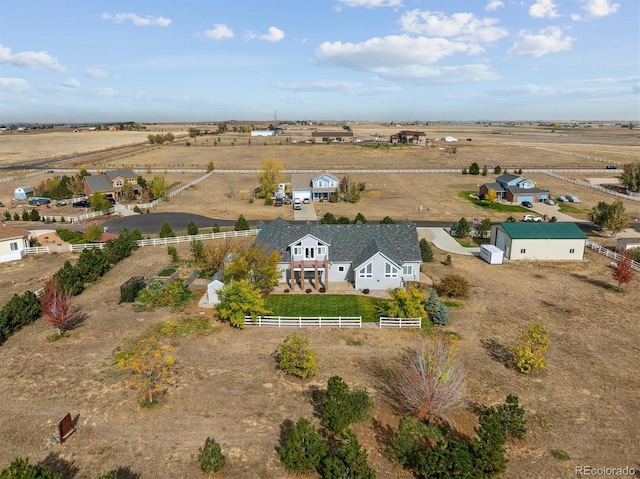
(369, 256)
(539, 241)
(313, 187)
(13, 243)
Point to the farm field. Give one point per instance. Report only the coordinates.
(584, 404)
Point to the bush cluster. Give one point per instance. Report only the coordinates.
(304, 450)
(435, 451)
(19, 311)
(453, 286)
(157, 294)
(294, 357)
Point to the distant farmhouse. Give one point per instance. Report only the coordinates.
(515, 189)
(369, 256)
(110, 184)
(313, 187)
(539, 241)
(333, 136)
(263, 132)
(409, 137)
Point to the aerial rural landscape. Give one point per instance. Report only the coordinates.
(366, 239)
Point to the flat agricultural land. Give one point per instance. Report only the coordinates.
(584, 404)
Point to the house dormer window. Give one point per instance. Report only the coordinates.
(118, 182)
(297, 250)
(322, 250)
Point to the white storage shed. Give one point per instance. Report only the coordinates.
(491, 254)
(23, 192)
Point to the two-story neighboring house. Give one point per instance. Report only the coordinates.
(515, 189)
(111, 183)
(369, 256)
(332, 136)
(313, 187)
(409, 137)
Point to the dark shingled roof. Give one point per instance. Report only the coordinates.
(524, 191)
(497, 187)
(352, 243)
(98, 183)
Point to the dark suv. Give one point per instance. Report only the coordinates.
(82, 204)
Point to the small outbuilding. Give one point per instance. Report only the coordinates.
(539, 241)
(13, 243)
(23, 192)
(491, 254)
(212, 288)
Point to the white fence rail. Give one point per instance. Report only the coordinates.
(610, 254)
(400, 322)
(305, 322)
(586, 184)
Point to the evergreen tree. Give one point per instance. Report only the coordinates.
(166, 231)
(241, 224)
(462, 228)
(340, 407)
(328, 219)
(360, 219)
(69, 279)
(442, 316)
(387, 221)
(210, 457)
(303, 449)
(474, 169)
(433, 303)
(426, 251)
(488, 447)
(92, 263)
(21, 469)
(192, 228)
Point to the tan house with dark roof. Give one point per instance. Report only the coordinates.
(333, 136)
(111, 183)
(13, 243)
(409, 137)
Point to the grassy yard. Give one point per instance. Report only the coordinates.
(325, 305)
(499, 207)
(570, 209)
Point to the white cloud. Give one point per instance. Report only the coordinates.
(351, 88)
(371, 3)
(600, 8)
(95, 72)
(137, 20)
(72, 83)
(274, 35)
(630, 79)
(529, 90)
(16, 85)
(30, 59)
(493, 5)
(548, 40)
(576, 17)
(404, 58)
(219, 32)
(461, 26)
(544, 9)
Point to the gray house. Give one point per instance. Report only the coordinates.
(369, 256)
(314, 187)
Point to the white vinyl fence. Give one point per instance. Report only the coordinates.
(305, 321)
(400, 322)
(610, 254)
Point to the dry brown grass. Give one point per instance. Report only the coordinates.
(585, 403)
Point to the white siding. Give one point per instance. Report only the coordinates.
(378, 280)
(547, 249)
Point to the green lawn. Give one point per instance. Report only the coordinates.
(569, 208)
(500, 207)
(325, 305)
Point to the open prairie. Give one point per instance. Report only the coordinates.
(584, 404)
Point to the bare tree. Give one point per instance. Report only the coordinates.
(230, 180)
(430, 381)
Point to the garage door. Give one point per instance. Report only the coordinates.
(302, 194)
(525, 198)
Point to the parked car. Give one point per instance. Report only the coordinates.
(306, 201)
(297, 204)
(1, 204)
(562, 199)
(82, 204)
(531, 218)
(39, 201)
(572, 199)
(611, 167)
(527, 204)
(277, 202)
(549, 201)
(287, 200)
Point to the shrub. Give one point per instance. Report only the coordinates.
(166, 231)
(21, 469)
(192, 228)
(173, 252)
(158, 294)
(25, 215)
(303, 449)
(462, 228)
(433, 303)
(410, 441)
(426, 251)
(7, 216)
(453, 286)
(511, 416)
(136, 209)
(340, 407)
(242, 224)
(210, 457)
(528, 351)
(447, 260)
(93, 233)
(328, 219)
(387, 221)
(351, 461)
(294, 357)
(360, 219)
(19, 311)
(308, 290)
(366, 291)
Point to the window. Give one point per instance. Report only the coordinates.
(118, 182)
(341, 269)
(297, 250)
(366, 272)
(523, 251)
(322, 250)
(572, 250)
(14, 246)
(390, 271)
(309, 253)
(407, 269)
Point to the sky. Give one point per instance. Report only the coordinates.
(64, 61)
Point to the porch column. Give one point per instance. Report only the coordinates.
(302, 275)
(292, 274)
(315, 274)
(326, 274)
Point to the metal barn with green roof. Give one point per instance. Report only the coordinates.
(539, 241)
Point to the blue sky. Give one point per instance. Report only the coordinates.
(386, 60)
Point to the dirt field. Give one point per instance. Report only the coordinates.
(585, 404)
